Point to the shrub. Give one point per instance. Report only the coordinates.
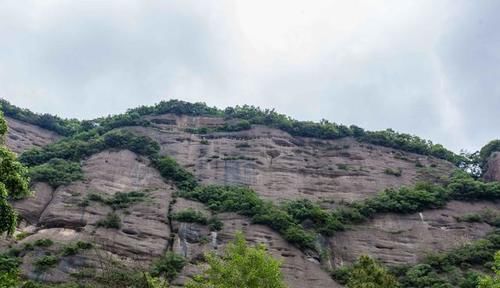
(21, 235)
(73, 249)
(366, 272)
(170, 169)
(44, 243)
(111, 221)
(45, 262)
(57, 172)
(241, 266)
(436, 268)
(215, 224)
(168, 266)
(393, 172)
(83, 145)
(191, 216)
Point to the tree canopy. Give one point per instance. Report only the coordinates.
(240, 266)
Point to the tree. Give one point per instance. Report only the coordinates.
(492, 281)
(14, 183)
(240, 266)
(367, 273)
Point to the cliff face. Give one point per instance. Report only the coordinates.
(277, 165)
(493, 164)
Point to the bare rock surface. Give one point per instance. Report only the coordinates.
(22, 136)
(493, 171)
(279, 166)
(404, 239)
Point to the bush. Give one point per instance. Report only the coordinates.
(43, 243)
(241, 266)
(57, 172)
(75, 248)
(119, 200)
(168, 266)
(214, 224)
(393, 172)
(86, 144)
(45, 262)
(191, 216)
(436, 268)
(170, 169)
(111, 221)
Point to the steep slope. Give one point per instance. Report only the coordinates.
(23, 136)
(275, 164)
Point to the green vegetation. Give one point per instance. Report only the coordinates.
(393, 172)
(119, 200)
(21, 235)
(191, 216)
(241, 266)
(168, 266)
(45, 262)
(239, 118)
(53, 123)
(486, 151)
(112, 221)
(83, 145)
(485, 216)
(365, 272)
(75, 248)
(14, 183)
(43, 243)
(9, 271)
(320, 220)
(246, 202)
(215, 224)
(452, 268)
(57, 172)
(170, 169)
(492, 281)
(456, 268)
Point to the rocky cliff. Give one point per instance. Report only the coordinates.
(275, 164)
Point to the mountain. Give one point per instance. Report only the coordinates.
(137, 185)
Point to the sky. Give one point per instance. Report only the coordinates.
(425, 67)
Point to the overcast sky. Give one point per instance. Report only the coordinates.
(430, 68)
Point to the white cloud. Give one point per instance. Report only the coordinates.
(377, 64)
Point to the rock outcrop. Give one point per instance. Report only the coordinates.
(493, 167)
(275, 164)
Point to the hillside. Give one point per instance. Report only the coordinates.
(125, 174)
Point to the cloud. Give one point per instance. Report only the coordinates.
(424, 67)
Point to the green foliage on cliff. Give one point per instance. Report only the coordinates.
(81, 146)
(245, 201)
(458, 267)
(455, 268)
(57, 172)
(168, 266)
(14, 182)
(492, 281)
(170, 169)
(487, 150)
(240, 266)
(53, 123)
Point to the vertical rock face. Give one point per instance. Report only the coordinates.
(279, 166)
(193, 240)
(275, 164)
(22, 136)
(493, 168)
(404, 239)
